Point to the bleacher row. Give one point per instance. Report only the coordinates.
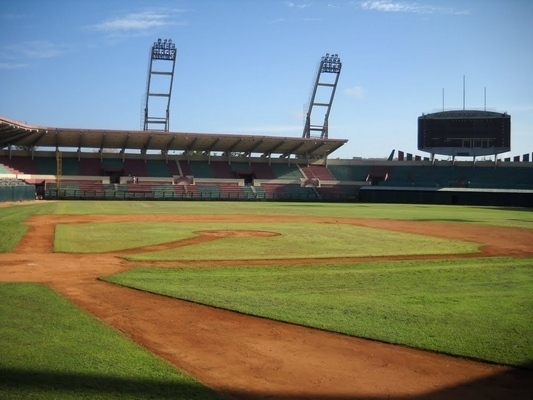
(149, 168)
(136, 178)
(517, 176)
(158, 179)
(206, 191)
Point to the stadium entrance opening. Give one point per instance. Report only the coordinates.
(113, 173)
(248, 176)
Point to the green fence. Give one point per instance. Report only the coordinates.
(464, 197)
(17, 193)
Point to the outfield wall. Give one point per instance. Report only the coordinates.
(17, 193)
(447, 196)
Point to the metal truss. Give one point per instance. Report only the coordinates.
(330, 64)
(159, 85)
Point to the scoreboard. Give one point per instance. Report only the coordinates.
(465, 133)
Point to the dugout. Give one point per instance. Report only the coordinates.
(447, 196)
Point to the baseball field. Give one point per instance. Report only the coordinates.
(246, 300)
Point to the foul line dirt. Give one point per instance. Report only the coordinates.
(244, 357)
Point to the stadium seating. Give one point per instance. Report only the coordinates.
(90, 167)
(19, 165)
(355, 173)
(286, 171)
(135, 167)
(221, 170)
(184, 167)
(5, 170)
(263, 171)
(201, 169)
(317, 172)
(109, 176)
(158, 168)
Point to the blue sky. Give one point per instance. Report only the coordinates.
(248, 66)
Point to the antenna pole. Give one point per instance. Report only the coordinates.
(485, 98)
(442, 99)
(463, 92)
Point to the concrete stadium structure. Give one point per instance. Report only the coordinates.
(112, 164)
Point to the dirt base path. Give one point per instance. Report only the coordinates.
(245, 357)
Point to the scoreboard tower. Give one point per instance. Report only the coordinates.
(464, 133)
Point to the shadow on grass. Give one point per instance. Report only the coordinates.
(54, 385)
(515, 383)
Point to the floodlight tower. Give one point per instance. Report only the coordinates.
(330, 64)
(159, 84)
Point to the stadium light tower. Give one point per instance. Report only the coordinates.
(159, 86)
(329, 64)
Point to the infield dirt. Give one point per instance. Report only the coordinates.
(245, 357)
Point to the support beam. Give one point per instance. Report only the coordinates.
(330, 64)
(161, 52)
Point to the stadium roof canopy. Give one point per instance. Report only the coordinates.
(13, 133)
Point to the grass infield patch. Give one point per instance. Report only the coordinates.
(11, 223)
(104, 237)
(478, 308)
(52, 350)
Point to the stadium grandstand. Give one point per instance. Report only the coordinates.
(67, 163)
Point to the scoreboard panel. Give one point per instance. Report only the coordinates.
(465, 133)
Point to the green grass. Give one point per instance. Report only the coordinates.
(103, 237)
(483, 215)
(478, 308)
(11, 222)
(301, 240)
(52, 350)
(12, 228)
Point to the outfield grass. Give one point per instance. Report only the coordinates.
(12, 228)
(301, 240)
(476, 308)
(49, 349)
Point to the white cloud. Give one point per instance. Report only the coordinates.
(42, 49)
(414, 8)
(291, 4)
(33, 49)
(13, 17)
(12, 66)
(136, 23)
(133, 22)
(356, 91)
